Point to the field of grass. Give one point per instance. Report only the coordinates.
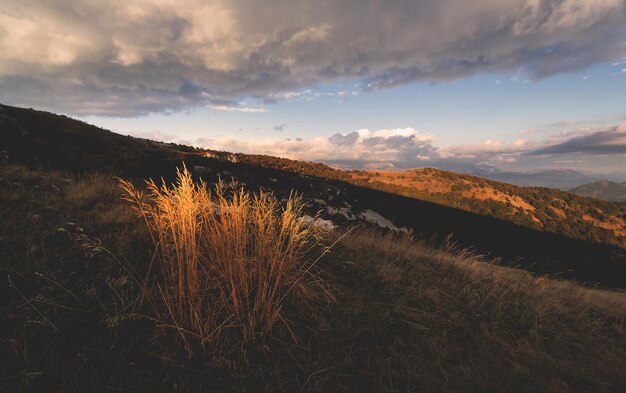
(401, 316)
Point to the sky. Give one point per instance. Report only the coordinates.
(515, 84)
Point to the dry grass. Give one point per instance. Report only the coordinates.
(407, 317)
(475, 326)
(228, 260)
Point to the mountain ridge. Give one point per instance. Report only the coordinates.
(60, 142)
(558, 178)
(603, 189)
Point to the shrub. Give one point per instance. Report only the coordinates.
(228, 260)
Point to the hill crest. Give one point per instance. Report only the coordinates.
(604, 189)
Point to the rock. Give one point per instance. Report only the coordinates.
(375, 218)
(341, 211)
(201, 169)
(318, 223)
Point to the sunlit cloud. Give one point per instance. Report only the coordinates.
(243, 109)
(406, 147)
(121, 58)
(400, 148)
(358, 147)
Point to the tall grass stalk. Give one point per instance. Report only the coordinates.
(227, 260)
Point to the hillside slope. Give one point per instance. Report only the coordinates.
(407, 317)
(543, 209)
(605, 189)
(43, 139)
(540, 208)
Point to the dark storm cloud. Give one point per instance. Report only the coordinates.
(116, 57)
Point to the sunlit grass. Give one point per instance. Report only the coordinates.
(409, 314)
(227, 260)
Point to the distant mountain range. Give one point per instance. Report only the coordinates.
(604, 189)
(562, 179)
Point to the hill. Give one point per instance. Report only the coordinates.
(562, 179)
(405, 316)
(578, 248)
(605, 189)
(539, 208)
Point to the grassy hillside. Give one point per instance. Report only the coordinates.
(41, 139)
(605, 189)
(62, 142)
(541, 208)
(56, 141)
(404, 316)
(544, 209)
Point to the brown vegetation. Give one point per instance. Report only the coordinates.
(564, 243)
(407, 316)
(533, 207)
(228, 260)
(540, 208)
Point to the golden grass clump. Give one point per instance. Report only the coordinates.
(228, 260)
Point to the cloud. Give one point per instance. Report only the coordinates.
(401, 148)
(565, 146)
(355, 149)
(116, 57)
(490, 151)
(280, 128)
(305, 95)
(344, 140)
(243, 109)
(347, 93)
(599, 142)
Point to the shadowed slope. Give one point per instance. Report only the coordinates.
(59, 142)
(407, 317)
